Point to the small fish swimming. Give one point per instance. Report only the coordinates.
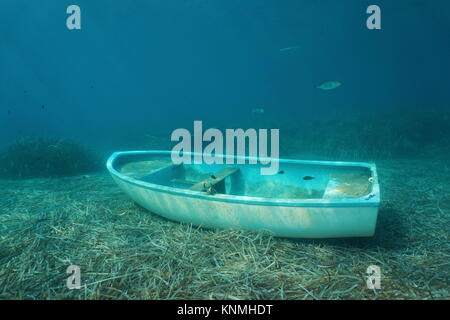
(289, 48)
(258, 110)
(329, 85)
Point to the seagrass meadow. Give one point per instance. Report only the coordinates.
(126, 252)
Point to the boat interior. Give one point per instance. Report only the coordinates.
(293, 180)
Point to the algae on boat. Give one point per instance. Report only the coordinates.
(139, 169)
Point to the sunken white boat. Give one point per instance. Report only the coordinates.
(305, 199)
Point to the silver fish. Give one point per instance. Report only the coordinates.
(258, 110)
(329, 85)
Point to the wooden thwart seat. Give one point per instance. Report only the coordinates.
(214, 179)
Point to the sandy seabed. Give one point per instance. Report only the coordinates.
(126, 252)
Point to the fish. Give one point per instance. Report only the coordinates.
(258, 110)
(308, 178)
(329, 85)
(289, 48)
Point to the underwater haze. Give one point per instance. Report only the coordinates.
(340, 83)
(149, 67)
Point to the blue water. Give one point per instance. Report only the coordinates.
(154, 66)
(139, 69)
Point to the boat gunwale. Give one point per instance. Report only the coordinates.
(372, 199)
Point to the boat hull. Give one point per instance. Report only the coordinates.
(282, 221)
